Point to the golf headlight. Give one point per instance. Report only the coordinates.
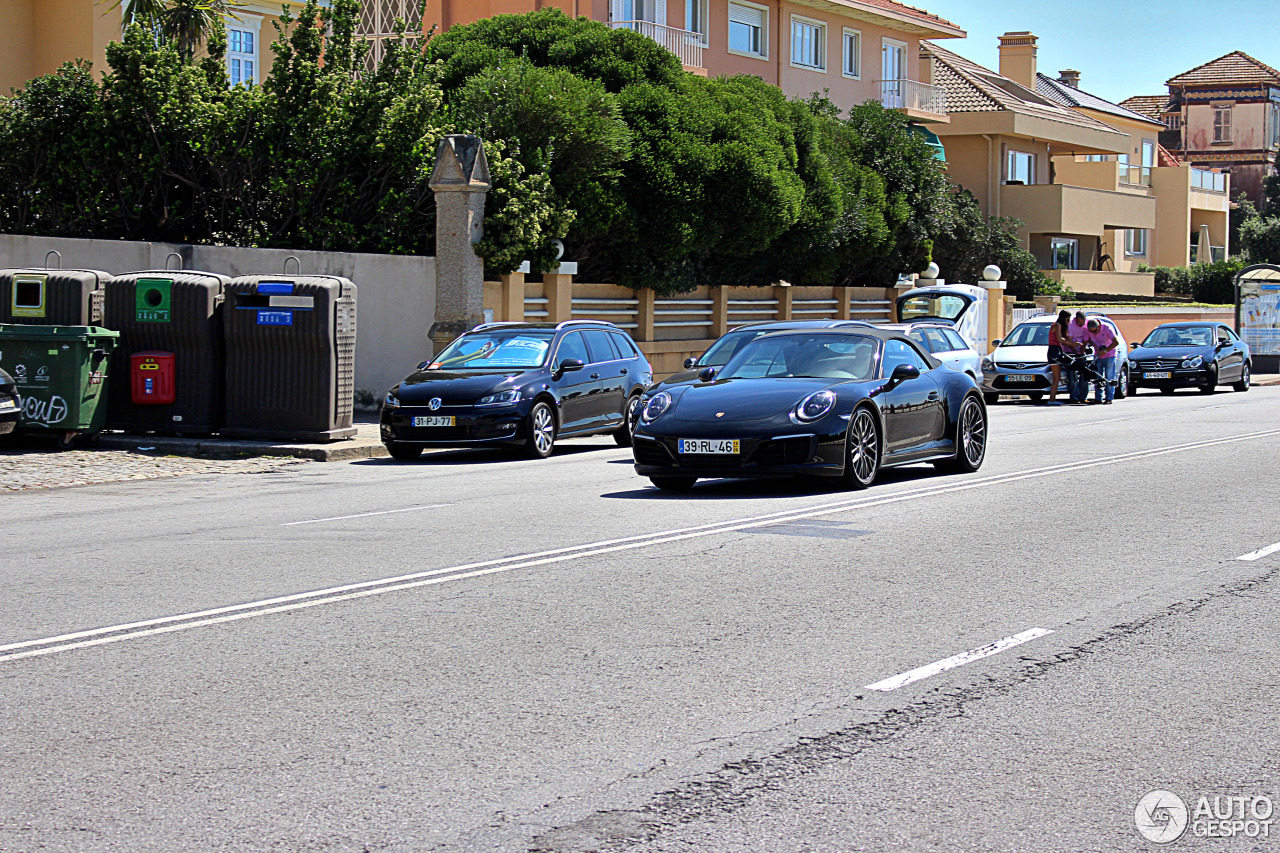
(988, 366)
(503, 398)
(392, 399)
(815, 406)
(1194, 361)
(657, 404)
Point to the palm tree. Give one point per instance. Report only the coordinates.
(183, 23)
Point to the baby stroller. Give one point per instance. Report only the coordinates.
(1086, 363)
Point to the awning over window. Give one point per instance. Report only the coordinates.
(933, 141)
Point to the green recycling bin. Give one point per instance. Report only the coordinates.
(61, 374)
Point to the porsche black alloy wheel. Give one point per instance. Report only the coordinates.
(862, 450)
(971, 439)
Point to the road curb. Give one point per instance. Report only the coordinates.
(221, 448)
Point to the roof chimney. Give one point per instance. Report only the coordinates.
(1018, 58)
(1069, 78)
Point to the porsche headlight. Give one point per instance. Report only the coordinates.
(1194, 361)
(814, 406)
(503, 398)
(657, 404)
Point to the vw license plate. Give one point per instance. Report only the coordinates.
(434, 420)
(1159, 374)
(725, 446)
(1022, 377)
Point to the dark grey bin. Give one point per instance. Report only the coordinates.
(50, 297)
(175, 311)
(291, 356)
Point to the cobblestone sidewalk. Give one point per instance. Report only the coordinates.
(25, 468)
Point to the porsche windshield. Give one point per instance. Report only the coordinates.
(823, 356)
(496, 349)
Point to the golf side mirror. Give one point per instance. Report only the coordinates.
(706, 374)
(569, 365)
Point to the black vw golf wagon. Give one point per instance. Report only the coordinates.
(519, 384)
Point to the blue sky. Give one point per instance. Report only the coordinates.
(1121, 47)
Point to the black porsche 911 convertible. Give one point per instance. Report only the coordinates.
(835, 403)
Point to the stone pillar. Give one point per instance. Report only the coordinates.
(1008, 315)
(558, 288)
(719, 310)
(1047, 304)
(844, 310)
(782, 293)
(995, 309)
(460, 181)
(511, 307)
(644, 330)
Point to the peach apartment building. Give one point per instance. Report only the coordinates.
(858, 50)
(37, 36)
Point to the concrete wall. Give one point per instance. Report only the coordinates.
(396, 299)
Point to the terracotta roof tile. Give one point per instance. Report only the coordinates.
(908, 11)
(1235, 67)
(1069, 96)
(1151, 106)
(971, 88)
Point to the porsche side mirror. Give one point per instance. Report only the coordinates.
(690, 363)
(901, 374)
(706, 374)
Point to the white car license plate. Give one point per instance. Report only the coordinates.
(1022, 377)
(724, 446)
(434, 420)
(1159, 374)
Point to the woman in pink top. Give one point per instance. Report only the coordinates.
(1057, 339)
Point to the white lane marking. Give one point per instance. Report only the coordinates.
(1260, 553)
(298, 601)
(364, 514)
(954, 661)
(1107, 421)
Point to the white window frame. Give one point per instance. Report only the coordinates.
(764, 30)
(1135, 242)
(846, 54)
(1222, 124)
(819, 39)
(703, 12)
(253, 26)
(1074, 243)
(1008, 166)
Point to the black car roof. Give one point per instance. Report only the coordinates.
(1191, 324)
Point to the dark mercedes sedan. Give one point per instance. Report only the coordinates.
(10, 404)
(1190, 355)
(833, 402)
(519, 384)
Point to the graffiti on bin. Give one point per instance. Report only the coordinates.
(47, 412)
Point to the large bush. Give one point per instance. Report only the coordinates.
(1211, 283)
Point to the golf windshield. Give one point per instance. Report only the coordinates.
(1028, 335)
(932, 306)
(813, 356)
(496, 349)
(1172, 336)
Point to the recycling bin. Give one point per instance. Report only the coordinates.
(176, 312)
(291, 354)
(52, 297)
(61, 373)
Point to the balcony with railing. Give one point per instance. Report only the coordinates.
(918, 100)
(685, 44)
(1203, 179)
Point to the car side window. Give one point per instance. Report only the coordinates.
(599, 346)
(572, 346)
(899, 352)
(626, 349)
(1223, 336)
(937, 340)
(954, 339)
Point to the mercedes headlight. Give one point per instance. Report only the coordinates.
(1194, 361)
(503, 398)
(814, 406)
(657, 404)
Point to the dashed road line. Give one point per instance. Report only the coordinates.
(921, 672)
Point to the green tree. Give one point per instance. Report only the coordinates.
(1260, 239)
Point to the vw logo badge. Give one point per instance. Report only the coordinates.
(435, 403)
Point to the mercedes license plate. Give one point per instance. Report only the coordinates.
(434, 420)
(1159, 374)
(1022, 377)
(724, 446)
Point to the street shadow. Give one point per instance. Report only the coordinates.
(772, 487)
(483, 455)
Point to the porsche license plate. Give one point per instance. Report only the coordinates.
(1022, 377)
(1159, 374)
(722, 446)
(434, 420)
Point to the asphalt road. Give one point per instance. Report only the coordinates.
(473, 653)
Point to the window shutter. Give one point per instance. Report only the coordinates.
(749, 15)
